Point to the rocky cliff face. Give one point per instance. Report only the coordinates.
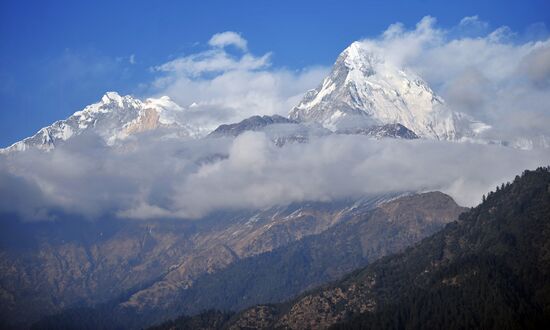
(278, 258)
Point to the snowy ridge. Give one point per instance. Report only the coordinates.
(363, 89)
(363, 94)
(113, 118)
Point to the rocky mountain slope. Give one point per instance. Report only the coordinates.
(47, 267)
(254, 123)
(490, 270)
(362, 235)
(365, 89)
(280, 274)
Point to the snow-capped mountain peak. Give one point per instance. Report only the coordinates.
(170, 113)
(113, 118)
(112, 97)
(364, 89)
(359, 59)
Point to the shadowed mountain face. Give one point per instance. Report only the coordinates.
(278, 275)
(396, 131)
(113, 118)
(490, 269)
(47, 267)
(253, 123)
(362, 234)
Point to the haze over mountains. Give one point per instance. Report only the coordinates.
(139, 274)
(367, 95)
(489, 269)
(131, 212)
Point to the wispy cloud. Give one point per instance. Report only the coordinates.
(228, 38)
(223, 86)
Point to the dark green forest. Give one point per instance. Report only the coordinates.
(494, 273)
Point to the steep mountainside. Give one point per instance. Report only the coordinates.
(489, 270)
(365, 89)
(254, 123)
(47, 267)
(286, 271)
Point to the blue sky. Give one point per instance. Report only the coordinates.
(58, 56)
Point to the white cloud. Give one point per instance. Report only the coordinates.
(169, 178)
(469, 23)
(494, 75)
(335, 167)
(536, 65)
(144, 211)
(213, 61)
(225, 87)
(228, 38)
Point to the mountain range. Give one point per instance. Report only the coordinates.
(364, 93)
(241, 261)
(113, 118)
(289, 265)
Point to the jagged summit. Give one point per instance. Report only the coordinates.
(113, 118)
(365, 89)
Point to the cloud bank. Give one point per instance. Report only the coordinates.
(492, 74)
(190, 178)
(497, 76)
